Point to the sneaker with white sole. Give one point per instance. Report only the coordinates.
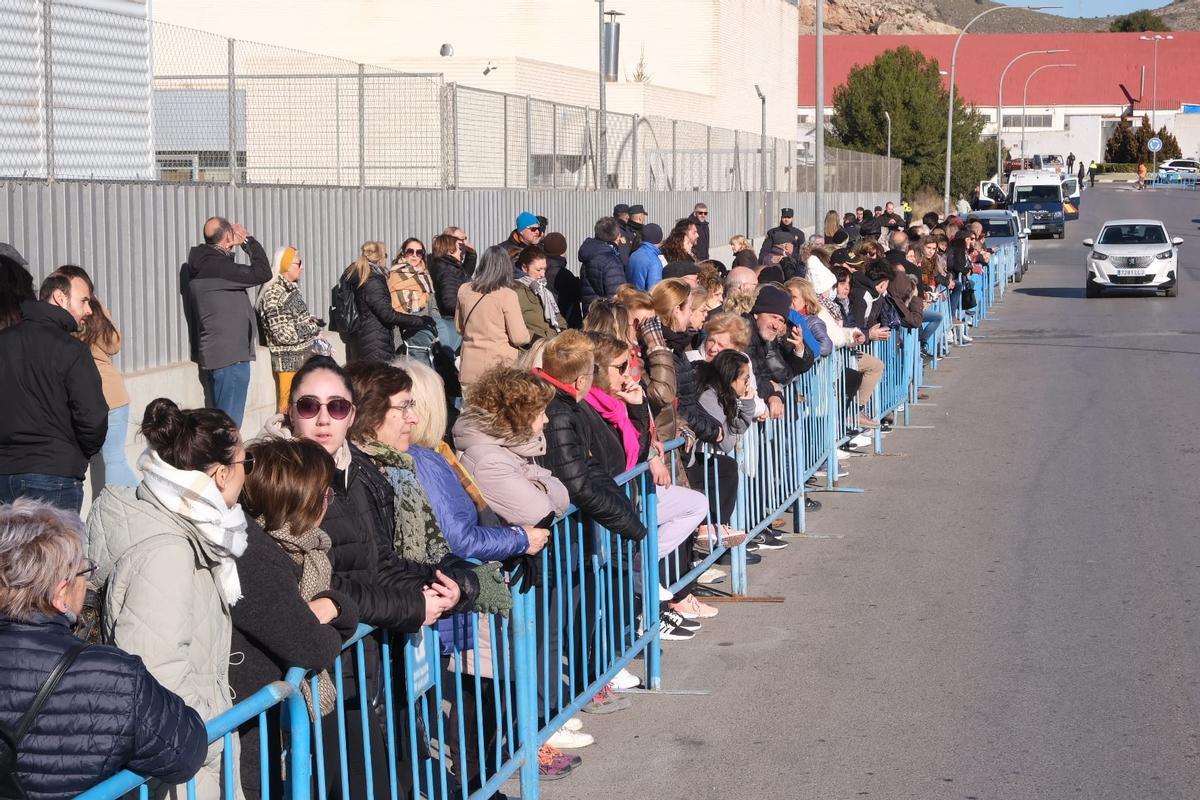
(691, 608)
(664, 594)
(573, 724)
(564, 739)
(862, 440)
(712, 575)
(671, 633)
(624, 679)
(842, 472)
(676, 619)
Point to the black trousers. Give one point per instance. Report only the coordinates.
(722, 483)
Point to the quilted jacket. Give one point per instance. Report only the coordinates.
(289, 327)
(569, 456)
(162, 603)
(372, 340)
(601, 270)
(687, 393)
(448, 277)
(108, 713)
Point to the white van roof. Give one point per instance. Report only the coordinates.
(1035, 176)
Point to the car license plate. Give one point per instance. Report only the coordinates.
(1037, 227)
(1130, 273)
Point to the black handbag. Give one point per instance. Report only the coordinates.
(10, 741)
(969, 301)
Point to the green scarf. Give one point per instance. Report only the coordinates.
(417, 536)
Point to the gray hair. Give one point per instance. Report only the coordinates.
(607, 229)
(495, 271)
(40, 547)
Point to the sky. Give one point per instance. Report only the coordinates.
(1090, 8)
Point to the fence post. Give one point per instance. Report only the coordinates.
(554, 145)
(454, 129)
(708, 179)
(48, 86)
(528, 142)
(232, 88)
(634, 149)
(362, 126)
(674, 154)
(524, 628)
(504, 138)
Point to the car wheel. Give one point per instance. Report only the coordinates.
(1172, 291)
(1092, 290)
(1019, 275)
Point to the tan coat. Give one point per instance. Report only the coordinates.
(491, 332)
(111, 382)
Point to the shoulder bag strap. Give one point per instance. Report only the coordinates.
(56, 675)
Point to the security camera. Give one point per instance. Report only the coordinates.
(490, 68)
(447, 50)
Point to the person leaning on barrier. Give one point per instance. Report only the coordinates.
(107, 713)
(777, 352)
(673, 306)
(166, 559)
(289, 616)
(221, 311)
(567, 365)
(57, 420)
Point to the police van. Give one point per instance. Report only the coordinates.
(1045, 199)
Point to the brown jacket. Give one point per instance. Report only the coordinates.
(492, 329)
(111, 382)
(903, 291)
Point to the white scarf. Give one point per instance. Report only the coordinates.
(549, 304)
(195, 497)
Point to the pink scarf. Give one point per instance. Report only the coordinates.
(616, 413)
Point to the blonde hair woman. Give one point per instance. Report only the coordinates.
(374, 337)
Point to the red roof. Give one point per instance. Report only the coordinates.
(1103, 60)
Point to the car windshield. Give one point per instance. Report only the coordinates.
(1133, 234)
(1039, 193)
(998, 227)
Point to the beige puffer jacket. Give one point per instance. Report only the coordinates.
(162, 603)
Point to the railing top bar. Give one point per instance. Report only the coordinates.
(222, 76)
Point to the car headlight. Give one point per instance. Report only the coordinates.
(1098, 256)
(1165, 254)
(1058, 214)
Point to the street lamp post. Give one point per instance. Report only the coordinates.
(762, 147)
(1000, 105)
(1025, 99)
(950, 105)
(819, 131)
(888, 117)
(1156, 38)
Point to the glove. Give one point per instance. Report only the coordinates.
(650, 331)
(428, 324)
(525, 572)
(494, 596)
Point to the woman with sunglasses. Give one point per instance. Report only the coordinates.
(283, 316)
(390, 592)
(289, 616)
(166, 555)
(489, 317)
(373, 338)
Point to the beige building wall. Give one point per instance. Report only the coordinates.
(703, 56)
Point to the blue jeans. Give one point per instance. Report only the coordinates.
(114, 466)
(956, 300)
(447, 335)
(60, 492)
(226, 389)
(930, 321)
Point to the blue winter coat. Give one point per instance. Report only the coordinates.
(645, 266)
(107, 714)
(600, 271)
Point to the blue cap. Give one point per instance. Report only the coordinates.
(526, 219)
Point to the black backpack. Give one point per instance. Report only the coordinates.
(10, 741)
(343, 307)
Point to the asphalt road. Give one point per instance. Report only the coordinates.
(1009, 612)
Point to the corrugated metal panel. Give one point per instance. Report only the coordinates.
(133, 238)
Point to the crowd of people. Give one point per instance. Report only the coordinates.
(483, 393)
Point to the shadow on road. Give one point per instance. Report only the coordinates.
(1052, 291)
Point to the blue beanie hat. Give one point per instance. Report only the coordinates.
(526, 219)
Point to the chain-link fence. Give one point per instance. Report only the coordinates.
(105, 94)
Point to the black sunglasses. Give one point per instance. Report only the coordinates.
(411, 252)
(308, 407)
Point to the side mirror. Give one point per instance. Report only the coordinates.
(1088, 243)
(1177, 241)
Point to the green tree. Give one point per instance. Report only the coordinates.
(1141, 137)
(1170, 148)
(1137, 21)
(1120, 148)
(907, 85)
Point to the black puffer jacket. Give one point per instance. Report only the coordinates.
(687, 393)
(567, 290)
(448, 277)
(108, 713)
(601, 272)
(774, 362)
(569, 455)
(373, 340)
(53, 417)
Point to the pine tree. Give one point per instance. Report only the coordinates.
(1141, 139)
(1120, 148)
(1170, 147)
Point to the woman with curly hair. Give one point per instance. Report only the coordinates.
(678, 244)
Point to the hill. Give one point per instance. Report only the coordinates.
(887, 17)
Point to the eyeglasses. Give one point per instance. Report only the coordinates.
(700, 213)
(406, 405)
(247, 463)
(308, 407)
(624, 365)
(535, 228)
(412, 251)
(89, 568)
(461, 238)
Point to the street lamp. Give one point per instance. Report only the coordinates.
(950, 105)
(1156, 38)
(762, 147)
(1000, 104)
(888, 117)
(1025, 99)
(602, 127)
(819, 131)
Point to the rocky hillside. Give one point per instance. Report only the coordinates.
(886, 17)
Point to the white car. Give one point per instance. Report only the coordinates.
(1187, 166)
(1133, 254)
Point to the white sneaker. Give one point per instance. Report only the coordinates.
(564, 739)
(712, 575)
(862, 440)
(664, 594)
(573, 724)
(624, 680)
(967, 339)
(822, 472)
